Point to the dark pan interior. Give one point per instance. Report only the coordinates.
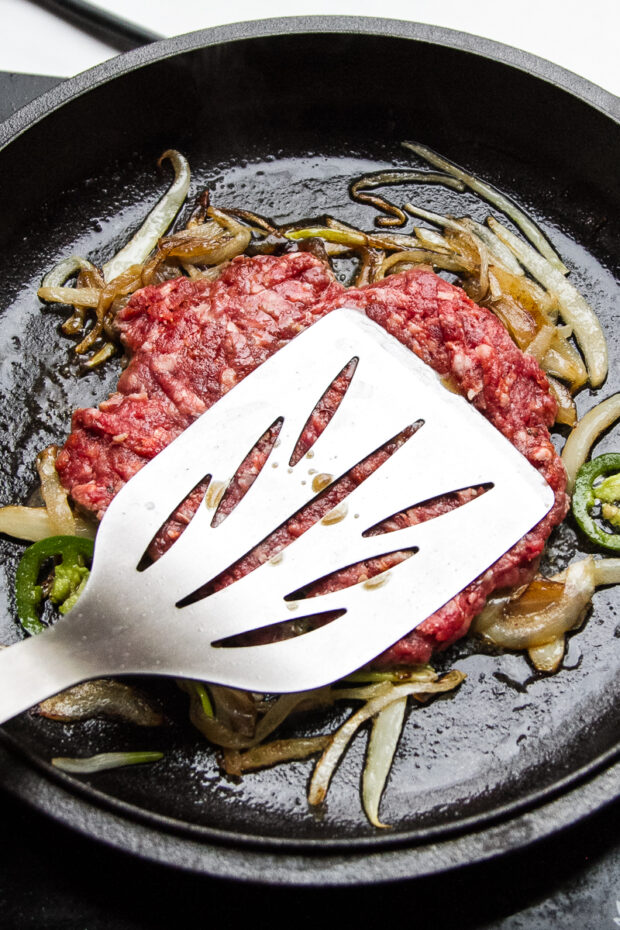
(280, 124)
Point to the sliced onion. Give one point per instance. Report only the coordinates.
(573, 308)
(235, 709)
(519, 628)
(329, 760)
(606, 571)
(381, 240)
(226, 736)
(430, 239)
(500, 253)
(495, 197)
(588, 429)
(104, 761)
(101, 696)
(438, 219)
(539, 346)
(371, 261)
(566, 412)
(288, 704)
(548, 658)
(55, 496)
(76, 296)
(34, 523)
(386, 731)
(563, 361)
(280, 750)
(214, 242)
(106, 351)
(157, 222)
(65, 269)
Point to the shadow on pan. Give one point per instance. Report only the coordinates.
(278, 118)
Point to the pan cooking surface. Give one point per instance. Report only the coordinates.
(509, 735)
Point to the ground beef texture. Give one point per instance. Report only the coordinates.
(189, 342)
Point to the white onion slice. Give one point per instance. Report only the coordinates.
(56, 499)
(430, 239)
(547, 658)
(329, 760)
(157, 222)
(500, 252)
(543, 626)
(76, 296)
(436, 218)
(33, 524)
(588, 429)
(606, 571)
(384, 737)
(268, 754)
(573, 308)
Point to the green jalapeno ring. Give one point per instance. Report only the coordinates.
(585, 496)
(28, 592)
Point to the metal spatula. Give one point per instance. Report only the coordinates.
(129, 621)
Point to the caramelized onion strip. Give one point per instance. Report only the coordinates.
(494, 197)
(573, 308)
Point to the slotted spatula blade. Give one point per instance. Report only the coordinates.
(166, 619)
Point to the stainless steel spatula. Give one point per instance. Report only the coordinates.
(157, 621)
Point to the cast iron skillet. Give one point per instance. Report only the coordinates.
(279, 116)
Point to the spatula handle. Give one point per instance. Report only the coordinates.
(39, 667)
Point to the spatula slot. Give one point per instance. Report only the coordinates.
(323, 412)
(223, 497)
(371, 573)
(172, 527)
(279, 632)
(428, 510)
(247, 472)
(327, 506)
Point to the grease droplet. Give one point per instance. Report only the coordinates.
(377, 582)
(321, 481)
(335, 515)
(215, 492)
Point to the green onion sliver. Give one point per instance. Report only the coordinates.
(386, 731)
(104, 761)
(495, 197)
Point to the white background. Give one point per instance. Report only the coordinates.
(581, 36)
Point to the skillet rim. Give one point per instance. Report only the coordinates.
(283, 867)
(586, 92)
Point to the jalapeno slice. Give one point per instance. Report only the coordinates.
(586, 495)
(71, 553)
